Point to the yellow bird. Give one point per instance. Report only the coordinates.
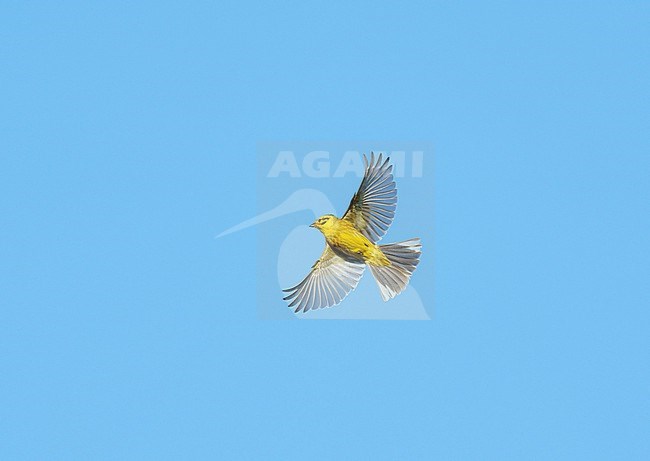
(351, 245)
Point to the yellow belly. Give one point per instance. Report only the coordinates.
(348, 240)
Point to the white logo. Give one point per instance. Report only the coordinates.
(316, 164)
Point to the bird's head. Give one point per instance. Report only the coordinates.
(324, 222)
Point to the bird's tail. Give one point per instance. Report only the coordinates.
(404, 258)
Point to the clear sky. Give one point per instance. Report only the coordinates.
(128, 141)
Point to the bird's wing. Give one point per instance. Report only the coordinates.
(330, 280)
(372, 208)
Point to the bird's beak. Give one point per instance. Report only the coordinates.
(312, 225)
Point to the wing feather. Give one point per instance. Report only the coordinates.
(330, 280)
(372, 208)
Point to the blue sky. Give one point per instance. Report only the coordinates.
(128, 141)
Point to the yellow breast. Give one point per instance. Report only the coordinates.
(343, 236)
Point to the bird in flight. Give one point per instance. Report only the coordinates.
(351, 245)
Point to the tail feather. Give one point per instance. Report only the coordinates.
(404, 258)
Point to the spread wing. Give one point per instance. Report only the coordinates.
(331, 279)
(372, 208)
